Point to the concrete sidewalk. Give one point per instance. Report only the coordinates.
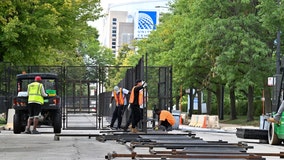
(228, 128)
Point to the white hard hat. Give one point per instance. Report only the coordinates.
(116, 88)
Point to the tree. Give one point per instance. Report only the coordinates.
(93, 53)
(44, 32)
(214, 43)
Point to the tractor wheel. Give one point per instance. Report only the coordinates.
(272, 136)
(17, 127)
(57, 121)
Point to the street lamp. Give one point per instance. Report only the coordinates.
(161, 7)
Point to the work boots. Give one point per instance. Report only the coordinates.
(28, 131)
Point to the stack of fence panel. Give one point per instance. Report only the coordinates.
(179, 146)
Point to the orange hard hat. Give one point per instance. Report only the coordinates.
(37, 78)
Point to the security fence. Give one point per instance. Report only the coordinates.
(87, 89)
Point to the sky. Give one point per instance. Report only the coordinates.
(124, 5)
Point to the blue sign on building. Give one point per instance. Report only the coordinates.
(147, 21)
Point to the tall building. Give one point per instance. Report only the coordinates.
(128, 21)
(125, 33)
(120, 30)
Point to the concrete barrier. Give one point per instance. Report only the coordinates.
(10, 120)
(202, 121)
(193, 120)
(213, 122)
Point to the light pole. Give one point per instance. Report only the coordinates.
(277, 101)
(278, 51)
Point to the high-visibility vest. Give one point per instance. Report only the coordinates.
(140, 97)
(34, 91)
(119, 99)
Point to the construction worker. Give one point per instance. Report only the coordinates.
(119, 95)
(142, 93)
(36, 93)
(166, 120)
(136, 100)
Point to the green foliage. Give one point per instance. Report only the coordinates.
(209, 42)
(2, 121)
(44, 32)
(93, 53)
(272, 15)
(127, 58)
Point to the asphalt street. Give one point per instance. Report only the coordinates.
(45, 146)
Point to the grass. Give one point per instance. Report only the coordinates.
(2, 121)
(242, 120)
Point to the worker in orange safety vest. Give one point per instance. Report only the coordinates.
(119, 95)
(143, 96)
(166, 120)
(135, 101)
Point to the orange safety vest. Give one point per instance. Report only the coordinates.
(119, 98)
(140, 97)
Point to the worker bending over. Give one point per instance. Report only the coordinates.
(166, 119)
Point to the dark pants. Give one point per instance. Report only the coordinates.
(135, 113)
(130, 119)
(117, 114)
(141, 114)
(166, 124)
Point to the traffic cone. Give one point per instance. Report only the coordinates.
(180, 120)
(204, 124)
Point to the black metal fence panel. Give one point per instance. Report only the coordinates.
(87, 89)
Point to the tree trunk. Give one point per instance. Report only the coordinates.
(220, 101)
(250, 103)
(177, 102)
(191, 103)
(199, 102)
(208, 102)
(233, 113)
